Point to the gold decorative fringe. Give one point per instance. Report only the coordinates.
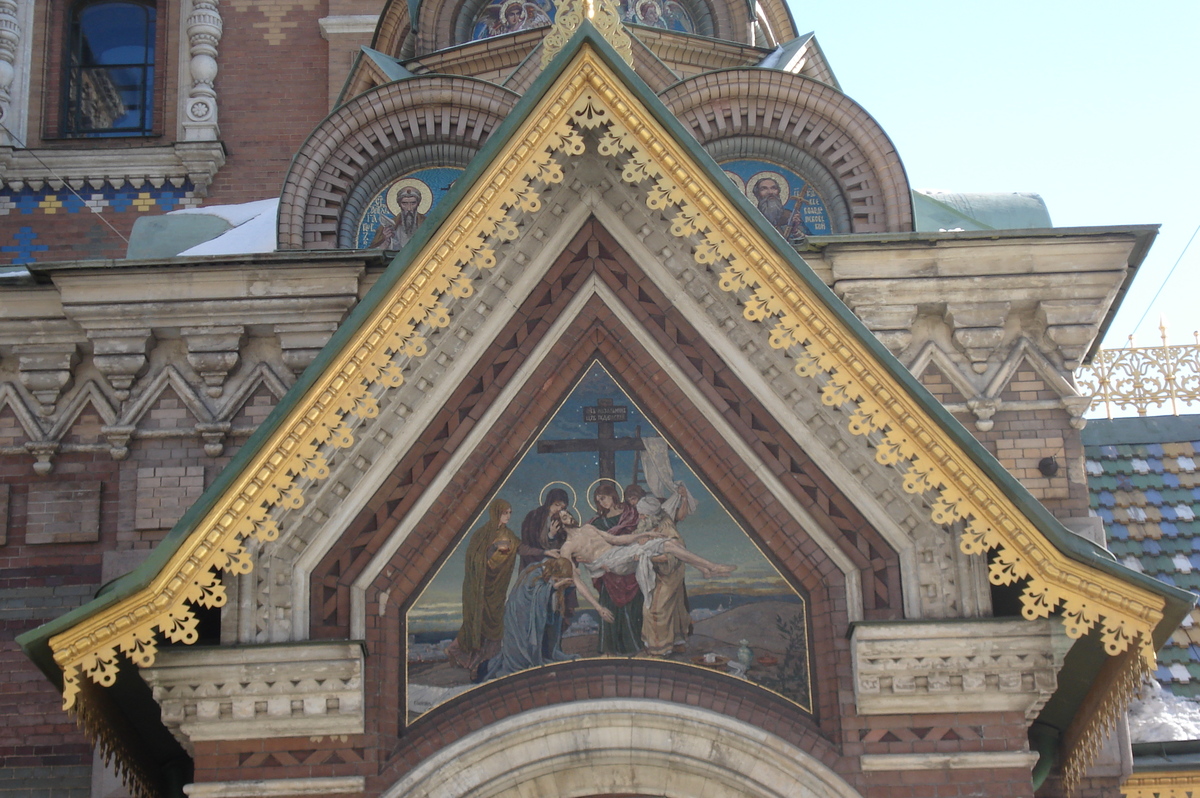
(97, 715)
(1163, 784)
(1119, 682)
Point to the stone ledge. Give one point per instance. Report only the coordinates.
(967, 666)
(970, 760)
(197, 161)
(290, 690)
(262, 788)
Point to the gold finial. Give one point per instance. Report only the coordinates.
(604, 14)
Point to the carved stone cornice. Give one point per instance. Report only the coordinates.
(195, 161)
(299, 690)
(968, 666)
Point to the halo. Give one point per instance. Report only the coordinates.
(785, 186)
(567, 485)
(426, 193)
(520, 3)
(639, 4)
(591, 491)
(738, 182)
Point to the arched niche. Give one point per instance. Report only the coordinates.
(794, 113)
(621, 746)
(371, 139)
(788, 158)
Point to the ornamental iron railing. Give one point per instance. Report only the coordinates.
(1165, 379)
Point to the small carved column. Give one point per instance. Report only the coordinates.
(203, 35)
(10, 41)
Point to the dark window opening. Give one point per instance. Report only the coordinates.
(108, 86)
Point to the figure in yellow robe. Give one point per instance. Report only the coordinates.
(491, 558)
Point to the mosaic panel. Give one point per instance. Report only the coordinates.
(602, 542)
(789, 202)
(142, 198)
(394, 214)
(510, 16)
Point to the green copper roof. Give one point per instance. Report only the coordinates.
(944, 210)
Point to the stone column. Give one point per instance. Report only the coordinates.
(203, 34)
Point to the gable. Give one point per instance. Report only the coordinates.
(590, 137)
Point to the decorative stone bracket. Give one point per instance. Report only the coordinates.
(976, 666)
(291, 690)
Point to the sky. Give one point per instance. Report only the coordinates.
(1094, 105)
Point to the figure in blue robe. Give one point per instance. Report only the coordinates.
(533, 620)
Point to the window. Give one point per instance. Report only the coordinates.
(108, 85)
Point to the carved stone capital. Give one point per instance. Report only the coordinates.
(287, 690)
(892, 324)
(977, 666)
(977, 329)
(46, 371)
(301, 342)
(213, 353)
(983, 409)
(121, 356)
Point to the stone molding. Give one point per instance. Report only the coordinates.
(297, 690)
(343, 24)
(967, 760)
(114, 338)
(626, 745)
(966, 666)
(268, 788)
(195, 161)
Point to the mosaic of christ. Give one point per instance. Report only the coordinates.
(603, 543)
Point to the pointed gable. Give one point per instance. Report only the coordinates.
(592, 226)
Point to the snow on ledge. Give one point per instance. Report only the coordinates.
(1157, 716)
(253, 228)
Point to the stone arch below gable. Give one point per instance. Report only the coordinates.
(618, 746)
(811, 117)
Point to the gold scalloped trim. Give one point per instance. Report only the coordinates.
(588, 95)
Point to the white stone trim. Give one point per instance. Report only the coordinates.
(196, 161)
(909, 667)
(621, 746)
(259, 692)
(265, 788)
(969, 760)
(343, 24)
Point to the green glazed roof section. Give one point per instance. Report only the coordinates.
(944, 210)
(1144, 483)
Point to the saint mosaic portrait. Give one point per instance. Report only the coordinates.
(789, 202)
(602, 542)
(394, 214)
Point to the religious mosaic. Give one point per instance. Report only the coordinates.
(602, 542)
(510, 16)
(394, 214)
(665, 14)
(787, 200)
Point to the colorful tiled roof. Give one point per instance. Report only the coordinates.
(1144, 480)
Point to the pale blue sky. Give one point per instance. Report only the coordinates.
(1094, 105)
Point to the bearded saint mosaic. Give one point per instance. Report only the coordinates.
(603, 543)
(787, 200)
(510, 16)
(394, 213)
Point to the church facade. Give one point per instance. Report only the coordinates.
(604, 419)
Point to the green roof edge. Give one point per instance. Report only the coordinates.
(35, 642)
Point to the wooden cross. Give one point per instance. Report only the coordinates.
(604, 415)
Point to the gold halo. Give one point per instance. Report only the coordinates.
(567, 485)
(785, 186)
(504, 10)
(592, 490)
(737, 181)
(637, 10)
(409, 182)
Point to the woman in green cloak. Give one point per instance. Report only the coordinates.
(491, 557)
